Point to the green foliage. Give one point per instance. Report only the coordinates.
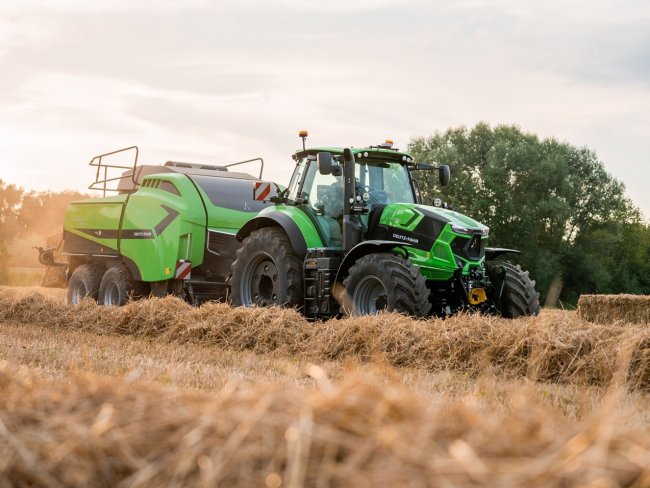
(553, 201)
(10, 198)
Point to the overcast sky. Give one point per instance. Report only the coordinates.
(216, 81)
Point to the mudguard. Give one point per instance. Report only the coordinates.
(494, 252)
(362, 249)
(277, 219)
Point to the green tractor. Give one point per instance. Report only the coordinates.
(349, 235)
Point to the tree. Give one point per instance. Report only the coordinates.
(549, 199)
(10, 200)
(43, 213)
(28, 219)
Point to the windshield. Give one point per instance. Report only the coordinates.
(384, 181)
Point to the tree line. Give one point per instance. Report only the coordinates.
(555, 202)
(28, 213)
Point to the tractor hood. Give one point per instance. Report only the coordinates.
(420, 225)
(456, 218)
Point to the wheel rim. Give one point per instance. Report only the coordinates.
(260, 284)
(79, 292)
(111, 295)
(369, 296)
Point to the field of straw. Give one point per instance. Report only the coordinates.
(160, 393)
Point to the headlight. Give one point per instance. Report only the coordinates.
(461, 229)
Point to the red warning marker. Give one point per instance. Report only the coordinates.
(261, 191)
(183, 270)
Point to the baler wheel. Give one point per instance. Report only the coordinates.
(117, 286)
(84, 283)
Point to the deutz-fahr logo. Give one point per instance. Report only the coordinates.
(412, 240)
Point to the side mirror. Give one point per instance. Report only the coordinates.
(327, 165)
(444, 174)
(324, 160)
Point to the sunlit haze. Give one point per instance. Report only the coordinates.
(230, 80)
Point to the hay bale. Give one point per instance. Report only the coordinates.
(607, 309)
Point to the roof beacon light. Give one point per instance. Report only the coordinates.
(387, 144)
(303, 135)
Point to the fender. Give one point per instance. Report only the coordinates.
(362, 249)
(494, 252)
(277, 220)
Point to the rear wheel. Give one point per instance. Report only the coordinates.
(384, 281)
(84, 283)
(267, 271)
(117, 286)
(515, 294)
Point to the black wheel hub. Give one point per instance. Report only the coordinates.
(260, 283)
(369, 296)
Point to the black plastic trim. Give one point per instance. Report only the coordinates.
(362, 249)
(495, 252)
(277, 220)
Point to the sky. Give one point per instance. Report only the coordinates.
(221, 81)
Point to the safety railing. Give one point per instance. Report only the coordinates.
(102, 177)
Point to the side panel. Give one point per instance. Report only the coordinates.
(160, 227)
(91, 227)
(230, 203)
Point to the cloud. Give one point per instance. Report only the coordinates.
(217, 81)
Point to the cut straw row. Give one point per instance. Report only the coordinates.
(555, 346)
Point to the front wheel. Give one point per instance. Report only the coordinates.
(267, 271)
(514, 291)
(384, 281)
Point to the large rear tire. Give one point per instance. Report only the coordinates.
(267, 271)
(384, 281)
(515, 294)
(84, 283)
(117, 286)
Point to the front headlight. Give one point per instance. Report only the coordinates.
(461, 229)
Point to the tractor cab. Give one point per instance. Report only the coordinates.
(382, 176)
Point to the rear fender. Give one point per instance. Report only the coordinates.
(363, 249)
(277, 219)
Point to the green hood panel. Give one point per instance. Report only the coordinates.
(453, 217)
(409, 215)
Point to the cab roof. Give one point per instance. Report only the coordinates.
(385, 153)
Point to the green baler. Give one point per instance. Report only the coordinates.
(170, 229)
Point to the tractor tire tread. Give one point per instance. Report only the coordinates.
(519, 295)
(271, 238)
(410, 293)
